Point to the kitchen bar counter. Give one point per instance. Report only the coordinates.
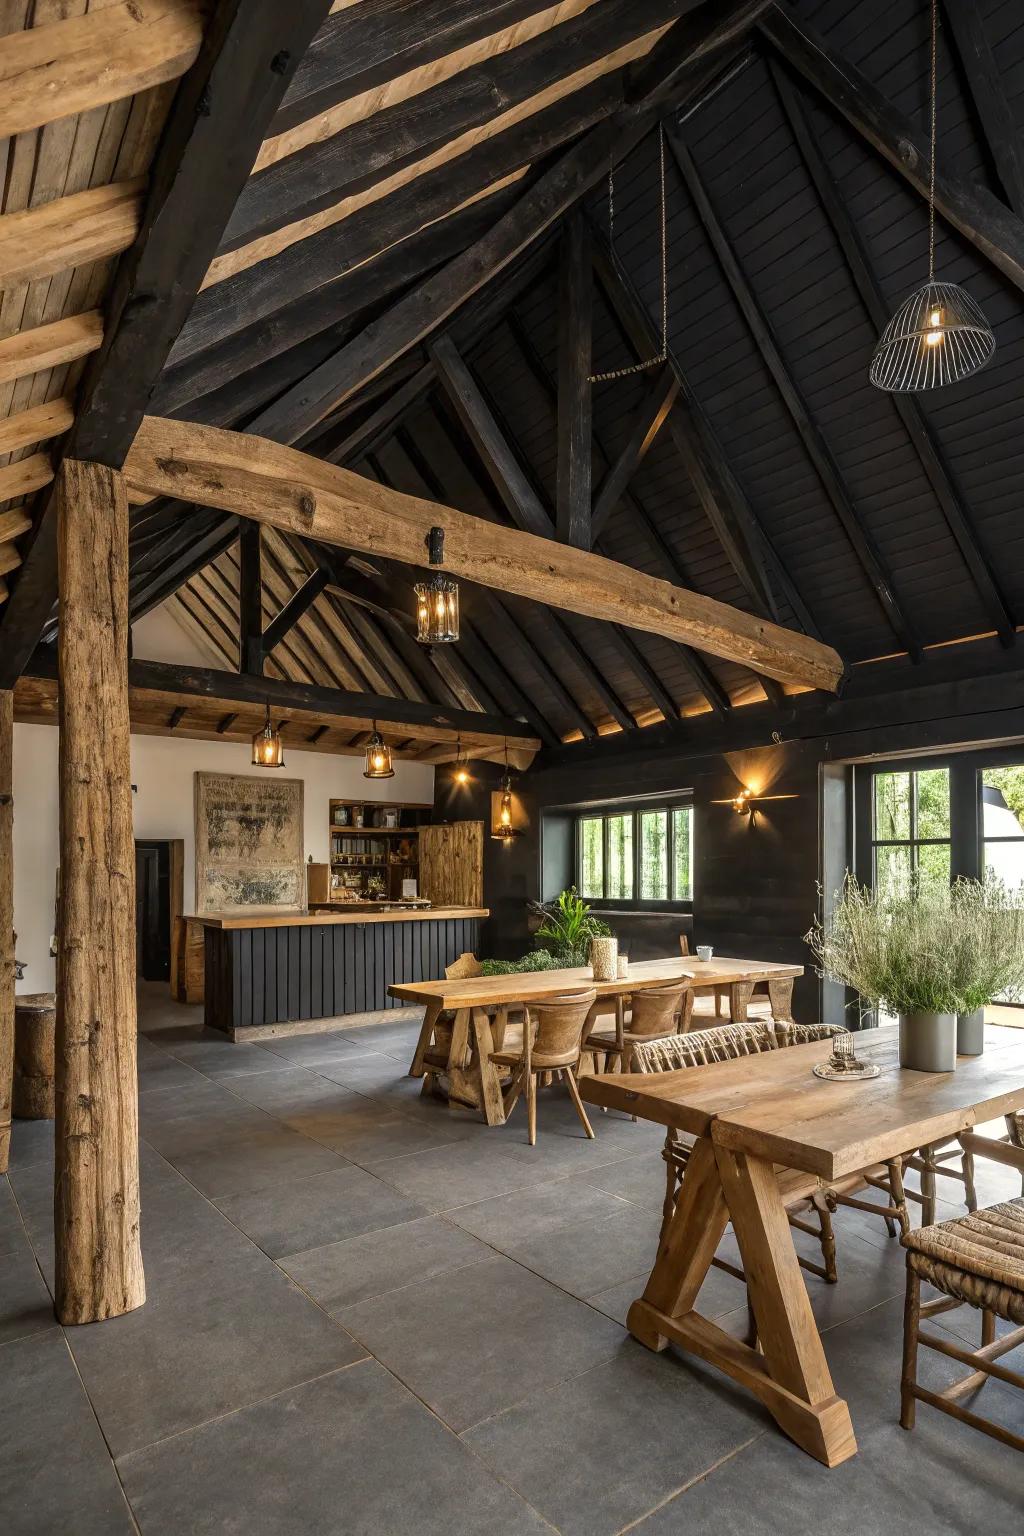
(278, 974)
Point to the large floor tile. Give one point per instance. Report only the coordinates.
(55, 1472)
(213, 1054)
(477, 1340)
(353, 1453)
(459, 1174)
(342, 1274)
(298, 1214)
(25, 1305)
(604, 1449)
(12, 1232)
(536, 1211)
(31, 1142)
(592, 1256)
(640, 1179)
(221, 1327)
(236, 1162)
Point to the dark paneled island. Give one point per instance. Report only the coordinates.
(265, 972)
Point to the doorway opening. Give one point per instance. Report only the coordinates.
(159, 869)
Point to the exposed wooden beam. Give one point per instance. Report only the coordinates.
(575, 323)
(250, 599)
(69, 232)
(294, 609)
(666, 68)
(13, 524)
(380, 149)
(47, 346)
(650, 417)
(160, 584)
(743, 539)
(226, 722)
(421, 721)
(248, 56)
(811, 435)
(67, 67)
(427, 306)
(967, 22)
(695, 664)
(25, 476)
(513, 486)
(176, 717)
(36, 425)
(981, 218)
(267, 482)
(933, 462)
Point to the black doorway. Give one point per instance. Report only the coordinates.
(153, 910)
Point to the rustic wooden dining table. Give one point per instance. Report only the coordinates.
(767, 1128)
(480, 1006)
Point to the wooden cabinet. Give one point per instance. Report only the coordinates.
(374, 847)
(452, 864)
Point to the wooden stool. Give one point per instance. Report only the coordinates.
(977, 1260)
(35, 1020)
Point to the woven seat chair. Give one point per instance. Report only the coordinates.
(552, 1043)
(654, 1014)
(728, 1042)
(975, 1260)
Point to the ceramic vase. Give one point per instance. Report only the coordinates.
(604, 953)
(970, 1033)
(928, 1041)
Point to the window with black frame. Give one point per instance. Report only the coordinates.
(640, 856)
(910, 832)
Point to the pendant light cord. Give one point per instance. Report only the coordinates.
(931, 169)
(662, 356)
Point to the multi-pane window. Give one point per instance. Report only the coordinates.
(910, 826)
(1002, 823)
(637, 856)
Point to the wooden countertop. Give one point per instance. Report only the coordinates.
(331, 919)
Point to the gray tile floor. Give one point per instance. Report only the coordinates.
(369, 1314)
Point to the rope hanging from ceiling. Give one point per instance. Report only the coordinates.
(662, 356)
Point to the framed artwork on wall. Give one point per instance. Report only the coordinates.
(249, 844)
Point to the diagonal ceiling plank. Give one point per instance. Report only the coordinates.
(267, 482)
(248, 55)
(981, 218)
(650, 417)
(818, 451)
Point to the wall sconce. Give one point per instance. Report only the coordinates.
(378, 757)
(437, 600)
(267, 746)
(745, 801)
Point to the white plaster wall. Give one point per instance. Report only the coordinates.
(162, 768)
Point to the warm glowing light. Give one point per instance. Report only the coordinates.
(378, 758)
(437, 600)
(505, 815)
(267, 746)
(461, 776)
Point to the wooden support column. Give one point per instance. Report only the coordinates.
(96, 1178)
(6, 920)
(574, 405)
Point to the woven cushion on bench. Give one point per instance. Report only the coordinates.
(978, 1258)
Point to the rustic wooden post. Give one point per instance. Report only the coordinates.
(6, 921)
(96, 1181)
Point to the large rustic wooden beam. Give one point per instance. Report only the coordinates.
(249, 53)
(926, 444)
(575, 324)
(298, 604)
(67, 67)
(981, 218)
(815, 445)
(96, 1184)
(69, 232)
(6, 921)
(269, 483)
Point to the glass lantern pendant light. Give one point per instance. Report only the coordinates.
(939, 336)
(437, 600)
(378, 757)
(267, 746)
(460, 772)
(505, 830)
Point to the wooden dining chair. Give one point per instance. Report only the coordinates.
(552, 1042)
(651, 1014)
(729, 1042)
(433, 1047)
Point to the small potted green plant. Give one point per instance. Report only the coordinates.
(928, 953)
(567, 927)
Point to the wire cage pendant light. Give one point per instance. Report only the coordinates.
(437, 600)
(378, 758)
(267, 746)
(939, 335)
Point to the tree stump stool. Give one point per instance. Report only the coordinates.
(35, 1020)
